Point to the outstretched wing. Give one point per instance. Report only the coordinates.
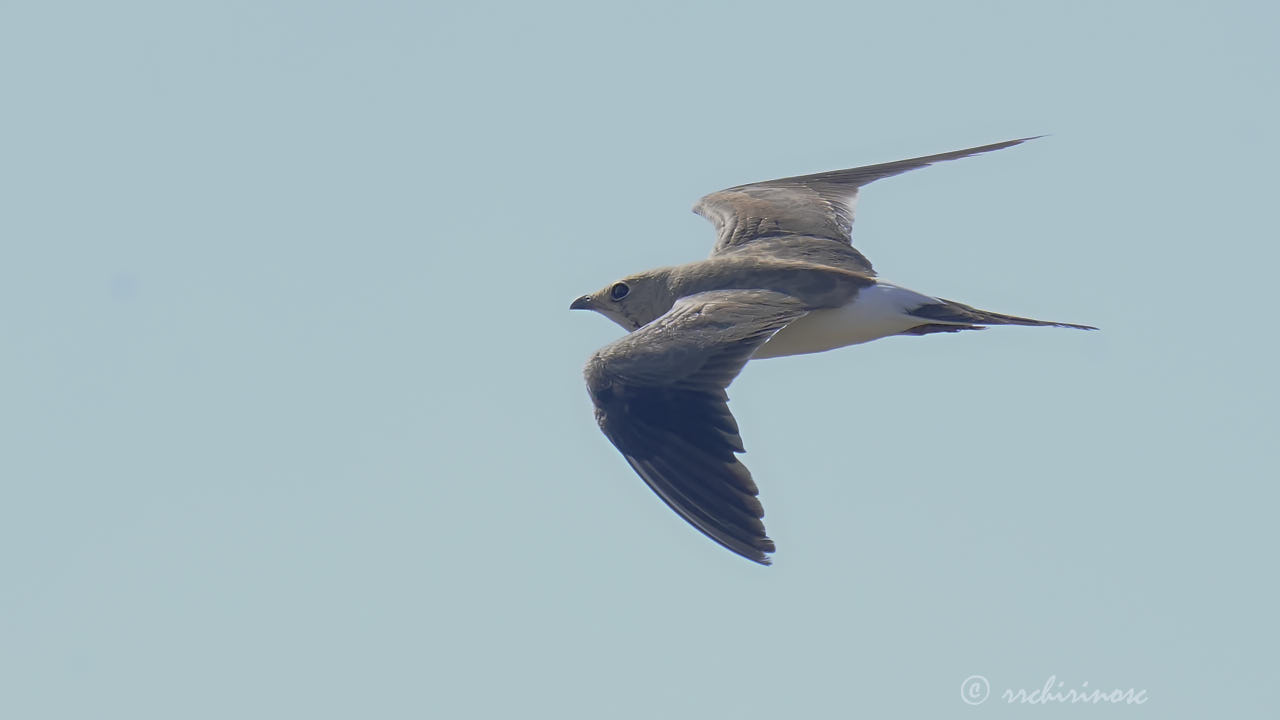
(659, 396)
(816, 206)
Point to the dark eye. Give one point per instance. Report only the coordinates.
(619, 291)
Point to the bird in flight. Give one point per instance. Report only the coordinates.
(782, 279)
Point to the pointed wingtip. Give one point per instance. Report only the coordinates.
(1011, 143)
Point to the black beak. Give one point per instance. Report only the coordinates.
(582, 303)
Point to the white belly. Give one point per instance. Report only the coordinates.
(875, 312)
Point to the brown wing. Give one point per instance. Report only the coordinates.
(767, 215)
(660, 397)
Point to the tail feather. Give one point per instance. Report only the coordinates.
(951, 312)
(929, 328)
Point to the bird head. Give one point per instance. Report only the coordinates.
(631, 302)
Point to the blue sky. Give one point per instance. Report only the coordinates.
(293, 415)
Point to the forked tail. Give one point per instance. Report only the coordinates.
(951, 313)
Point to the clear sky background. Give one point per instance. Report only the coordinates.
(293, 423)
